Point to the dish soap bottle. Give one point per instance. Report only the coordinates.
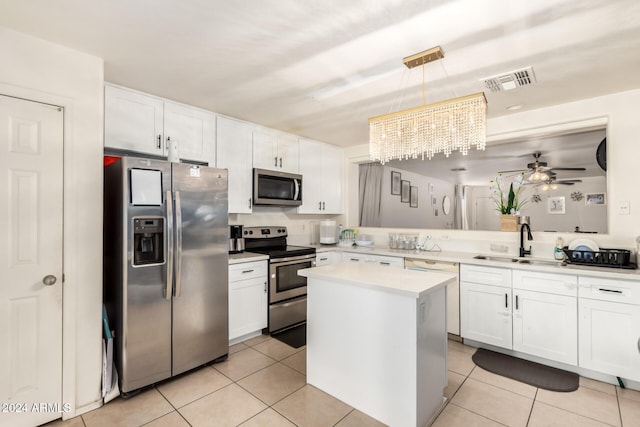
(557, 252)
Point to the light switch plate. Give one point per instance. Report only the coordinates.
(624, 207)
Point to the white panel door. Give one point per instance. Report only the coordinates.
(546, 325)
(609, 337)
(133, 121)
(31, 262)
(233, 152)
(193, 129)
(485, 314)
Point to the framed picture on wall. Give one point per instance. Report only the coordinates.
(555, 205)
(414, 197)
(405, 196)
(395, 183)
(595, 199)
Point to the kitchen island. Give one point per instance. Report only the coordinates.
(376, 339)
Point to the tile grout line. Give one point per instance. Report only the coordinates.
(533, 403)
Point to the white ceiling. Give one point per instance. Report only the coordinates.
(321, 69)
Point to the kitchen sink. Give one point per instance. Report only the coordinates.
(496, 258)
(541, 262)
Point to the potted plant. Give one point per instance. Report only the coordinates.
(508, 203)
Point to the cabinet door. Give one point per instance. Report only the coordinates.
(247, 306)
(288, 151)
(193, 129)
(265, 151)
(485, 314)
(133, 121)
(233, 152)
(331, 179)
(312, 177)
(546, 325)
(321, 169)
(609, 338)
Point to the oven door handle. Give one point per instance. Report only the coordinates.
(312, 260)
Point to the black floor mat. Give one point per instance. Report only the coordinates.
(295, 337)
(531, 373)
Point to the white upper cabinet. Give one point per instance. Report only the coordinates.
(143, 123)
(193, 129)
(233, 152)
(275, 150)
(133, 121)
(321, 170)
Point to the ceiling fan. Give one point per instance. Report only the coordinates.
(541, 172)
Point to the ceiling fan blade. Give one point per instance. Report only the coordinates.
(568, 169)
(516, 170)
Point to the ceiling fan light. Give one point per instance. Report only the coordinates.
(554, 186)
(544, 177)
(545, 187)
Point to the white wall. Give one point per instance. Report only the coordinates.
(38, 70)
(619, 113)
(395, 213)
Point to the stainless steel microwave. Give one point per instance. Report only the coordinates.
(276, 188)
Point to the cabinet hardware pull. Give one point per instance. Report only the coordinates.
(159, 142)
(638, 345)
(323, 206)
(323, 259)
(247, 271)
(516, 302)
(265, 287)
(354, 259)
(506, 301)
(280, 161)
(319, 206)
(275, 161)
(384, 263)
(249, 202)
(615, 291)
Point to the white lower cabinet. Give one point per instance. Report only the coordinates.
(545, 315)
(485, 313)
(485, 305)
(327, 258)
(384, 260)
(609, 327)
(248, 299)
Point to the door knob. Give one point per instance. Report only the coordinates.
(49, 279)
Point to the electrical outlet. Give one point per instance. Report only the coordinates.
(624, 207)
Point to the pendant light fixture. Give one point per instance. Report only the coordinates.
(441, 127)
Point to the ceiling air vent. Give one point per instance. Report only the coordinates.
(510, 80)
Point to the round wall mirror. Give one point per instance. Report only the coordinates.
(446, 205)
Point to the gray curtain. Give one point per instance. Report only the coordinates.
(370, 194)
(460, 207)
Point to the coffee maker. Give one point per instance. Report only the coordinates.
(236, 241)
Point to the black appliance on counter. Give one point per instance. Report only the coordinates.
(287, 290)
(236, 239)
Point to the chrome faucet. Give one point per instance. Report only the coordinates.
(524, 251)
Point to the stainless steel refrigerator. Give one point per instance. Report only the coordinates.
(165, 267)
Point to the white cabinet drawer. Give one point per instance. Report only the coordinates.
(559, 284)
(247, 270)
(485, 275)
(387, 261)
(624, 291)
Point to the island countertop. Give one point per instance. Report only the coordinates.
(403, 282)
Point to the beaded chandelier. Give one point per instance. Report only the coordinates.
(442, 127)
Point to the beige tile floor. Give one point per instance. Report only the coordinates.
(263, 384)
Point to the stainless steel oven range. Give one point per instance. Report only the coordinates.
(287, 290)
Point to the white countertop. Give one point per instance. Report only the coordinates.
(399, 281)
(547, 264)
(246, 257)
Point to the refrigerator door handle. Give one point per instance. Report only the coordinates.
(178, 244)
(169, 202)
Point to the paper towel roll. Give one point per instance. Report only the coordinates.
(173, 155)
